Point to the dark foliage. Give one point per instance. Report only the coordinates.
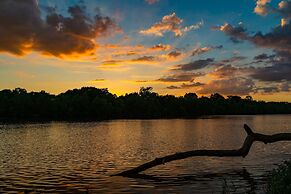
(89, 103)
(280, 181)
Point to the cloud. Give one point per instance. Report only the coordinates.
(285, 86)
(144, 59)
(233, 59)
(201, 50)
(138, 60)
(262, 7)
(194, 65)
(129, 53)
(23, 29)
(152, 1)
(264, 58)
(112, 62)
(18, 21)
(225, 71)
(180, 77)
(173, 87)
(99, 80)
(222, 67)
(170, 23)
(275, 73)
(161, 47)
(236, 34)
(174, 54)
(120, 55)
(283, 5)
(281, 87)
(284, 9)
(233, 86)
(233, 80)
(278, 39)
(114, 50)
(186, 86)
(267, 89)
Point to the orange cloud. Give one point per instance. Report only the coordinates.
(174, 54)
(161, 47)
(262, 7)
(139, 60)
(122, 55)
(170, 23)
(129, 50)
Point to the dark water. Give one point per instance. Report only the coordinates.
(63, 157)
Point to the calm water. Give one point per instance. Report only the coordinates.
(80, 157)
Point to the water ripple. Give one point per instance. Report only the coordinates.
(61, 157)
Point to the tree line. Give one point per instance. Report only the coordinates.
(89, 103)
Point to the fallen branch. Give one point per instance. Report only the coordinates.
(241, 152)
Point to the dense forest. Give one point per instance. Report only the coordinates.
(89, 103)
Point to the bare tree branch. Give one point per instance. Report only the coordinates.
(241, 152)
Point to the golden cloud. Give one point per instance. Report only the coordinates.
(170, 23)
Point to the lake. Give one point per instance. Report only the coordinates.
(67, 157)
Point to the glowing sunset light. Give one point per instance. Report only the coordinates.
(176, 47)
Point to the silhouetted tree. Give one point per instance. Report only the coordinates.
(190, 96)
(89, 103)
(249, 98)
(217, 96)
(234, 98)
(145, 91)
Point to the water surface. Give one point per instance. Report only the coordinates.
(80, 157)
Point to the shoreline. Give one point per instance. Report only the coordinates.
(33, 120)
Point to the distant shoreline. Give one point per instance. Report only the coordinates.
(31, 121)
(93, 104)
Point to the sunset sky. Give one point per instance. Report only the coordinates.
(233, 47)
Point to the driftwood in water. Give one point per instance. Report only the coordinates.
(241, 152)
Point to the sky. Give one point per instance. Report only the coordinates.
(240, 47)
